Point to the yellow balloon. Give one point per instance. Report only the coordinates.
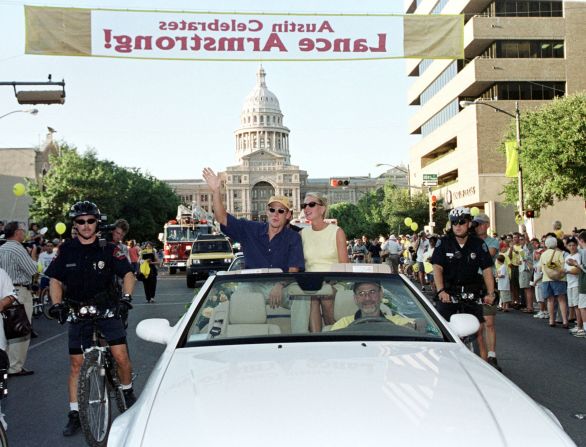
(474, 211)
(60, 228)
(414, 226)
(18, 189)
(408, 221)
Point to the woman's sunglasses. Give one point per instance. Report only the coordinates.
(310, 204)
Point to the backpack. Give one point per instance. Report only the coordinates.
(553, 271)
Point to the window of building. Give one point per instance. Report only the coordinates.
(288, 192)
(524, 90)
(440, 82)
(524, 8)
(449, 111)
(525, 49)
(203, 198)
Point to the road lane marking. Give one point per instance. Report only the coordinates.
(47, 340)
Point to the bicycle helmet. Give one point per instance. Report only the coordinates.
(460, 212)
(84, 208)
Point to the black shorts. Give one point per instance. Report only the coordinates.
(80, 334)
(446, 310)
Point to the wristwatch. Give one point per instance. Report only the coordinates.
(127, 297)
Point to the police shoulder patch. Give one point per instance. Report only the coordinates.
(485, 247)
(438, 243)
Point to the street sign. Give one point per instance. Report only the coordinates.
(429, 179)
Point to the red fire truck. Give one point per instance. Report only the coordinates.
(179, 234)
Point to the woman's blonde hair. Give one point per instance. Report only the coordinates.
(323, 200)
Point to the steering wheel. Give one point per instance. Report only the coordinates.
(369, 320)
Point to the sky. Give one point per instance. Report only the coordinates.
(173, 118)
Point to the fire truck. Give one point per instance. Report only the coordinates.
(179, 234)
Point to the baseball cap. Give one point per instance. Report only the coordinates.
(481, 218)
(282, 200)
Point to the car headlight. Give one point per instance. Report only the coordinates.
(227, 260)
(195, 261)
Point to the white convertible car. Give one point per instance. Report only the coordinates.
(242, 368)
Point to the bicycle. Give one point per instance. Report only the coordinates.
(4, 364)
(42, 301)
(98, 383)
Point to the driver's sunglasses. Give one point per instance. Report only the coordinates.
(459, 222)
(277, 210)
(310, 204)
(371, 293)
(84, 221)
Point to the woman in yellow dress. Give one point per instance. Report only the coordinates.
(324, 244)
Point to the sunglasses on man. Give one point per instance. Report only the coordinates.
(459, 221)
(277, 210)
(310, 204)
(85, 221)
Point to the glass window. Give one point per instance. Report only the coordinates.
(235, 308)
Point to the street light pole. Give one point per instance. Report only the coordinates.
(31, 111)
(517, 117)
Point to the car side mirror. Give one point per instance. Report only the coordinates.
(156, 330)
(464, 324)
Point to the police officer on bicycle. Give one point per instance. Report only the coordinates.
(457, 259)
(83, 274)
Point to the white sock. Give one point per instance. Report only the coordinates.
(73, 406)
(126, 387)
(492, 354)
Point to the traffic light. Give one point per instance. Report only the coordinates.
(433, 204)
(339, 182)
(530, 214)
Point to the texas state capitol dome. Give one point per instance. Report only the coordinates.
(264, 166)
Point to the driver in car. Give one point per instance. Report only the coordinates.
(368, 297)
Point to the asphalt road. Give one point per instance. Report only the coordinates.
(547, 363)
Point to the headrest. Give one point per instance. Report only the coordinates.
(247, 308)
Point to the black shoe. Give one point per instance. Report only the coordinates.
(492, 361)
(73, 425)
(129, 397)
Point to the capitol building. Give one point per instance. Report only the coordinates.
(263, 166)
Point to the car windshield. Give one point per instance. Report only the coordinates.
(211, 247)
(267, 307)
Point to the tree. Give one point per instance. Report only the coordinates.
(349, 218)
(553, 144)
(141, 199)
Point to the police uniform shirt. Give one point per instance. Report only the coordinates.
(461, 264)
(88, 270)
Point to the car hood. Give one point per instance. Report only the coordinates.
(342, 394)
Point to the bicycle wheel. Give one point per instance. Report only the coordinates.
(114, 383)
(37, 307)
(95, 413)
(46, 303)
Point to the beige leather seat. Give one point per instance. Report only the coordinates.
(247, 316)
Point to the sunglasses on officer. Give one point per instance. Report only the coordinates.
(460, 221)
(85, 221)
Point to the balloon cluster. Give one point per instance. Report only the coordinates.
(409, 222)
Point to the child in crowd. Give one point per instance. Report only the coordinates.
(503, 282)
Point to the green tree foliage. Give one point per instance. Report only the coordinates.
(553, 144)
(349, 218)
(398, 205)
(383, 212)
(145, 202)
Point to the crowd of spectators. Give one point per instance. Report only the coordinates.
(540, 276)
